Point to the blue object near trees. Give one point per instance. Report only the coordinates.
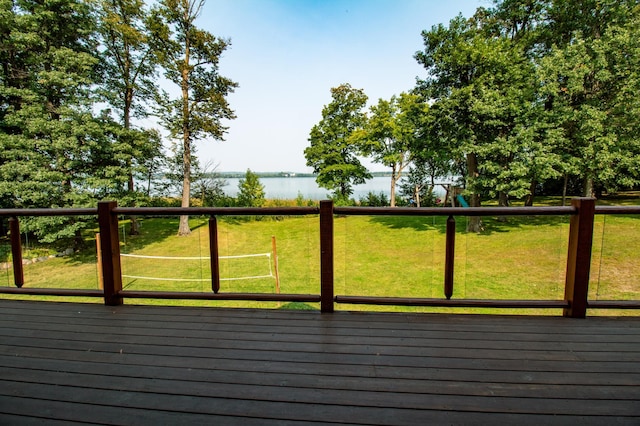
(462, 201)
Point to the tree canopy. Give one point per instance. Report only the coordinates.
(250, 191)
(75, 77)
(529, 91)
(389, 133)
(190, 58)
(333, 151)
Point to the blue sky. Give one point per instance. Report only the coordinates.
(286, 55)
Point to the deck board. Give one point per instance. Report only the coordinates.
(62, 362)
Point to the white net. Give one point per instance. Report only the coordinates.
(195, 269)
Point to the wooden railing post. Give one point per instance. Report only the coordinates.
(110, 248)
(326, 256)
(16, 251)
(576, 288)
(450, 251)
(214, 254)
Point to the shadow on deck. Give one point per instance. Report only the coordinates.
(63, 362)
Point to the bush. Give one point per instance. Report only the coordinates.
(374, 200)
(165, 202)
(251, 191)
(342, 200)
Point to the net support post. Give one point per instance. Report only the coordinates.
(576, 288)
(450, 250)
(326, 256)
(110, 253)
(16, 251)
(214, 254)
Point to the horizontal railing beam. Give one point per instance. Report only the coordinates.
(39, 291)
(218, 211)
(454, 211)
(456, 303)
(617, 210)
(614, 304)
(48, 212)
(257, 297)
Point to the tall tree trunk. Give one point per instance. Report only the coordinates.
(78, 241)
(186, 147)
(564, 189)
(134, 228)
(394, 179)
(588, 187)
(528, 202)
(186, 188)
(475, 223)
(503, 201)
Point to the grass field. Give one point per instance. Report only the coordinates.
(523, 258)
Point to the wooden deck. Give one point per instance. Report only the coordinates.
(63, 363)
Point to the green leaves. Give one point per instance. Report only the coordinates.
(334, 147)
(391, 131)
(250, 191)
(190, 59)
(589, 76)
(528, 91)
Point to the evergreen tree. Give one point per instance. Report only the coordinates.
(51, 143)
(129, 71)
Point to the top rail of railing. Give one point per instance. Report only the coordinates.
(49, 212)
(292, 211)
(617, 210)
(350, 211)
(212, 211)
(455, 211)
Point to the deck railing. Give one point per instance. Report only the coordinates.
(574, 304)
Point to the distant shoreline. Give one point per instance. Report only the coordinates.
(283, 174)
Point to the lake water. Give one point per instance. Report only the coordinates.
(287, 188)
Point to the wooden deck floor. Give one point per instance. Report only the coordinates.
(62, 363)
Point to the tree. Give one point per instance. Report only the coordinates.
(390, 132)
(129, 71)
(209, 186)
(333, 151)
(430, 161)
(418, 185)
(481, 82)
(589, 76)
(251, 191)
(50, 139)
(190, 59)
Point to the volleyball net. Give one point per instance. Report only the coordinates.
(196, 269)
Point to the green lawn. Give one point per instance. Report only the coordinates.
(523, 258)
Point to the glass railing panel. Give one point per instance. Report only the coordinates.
(54, 258)
(615, 268)
(390, 256)
(514, 257)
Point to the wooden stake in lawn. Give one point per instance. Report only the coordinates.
(275, 262)
(99, 253)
